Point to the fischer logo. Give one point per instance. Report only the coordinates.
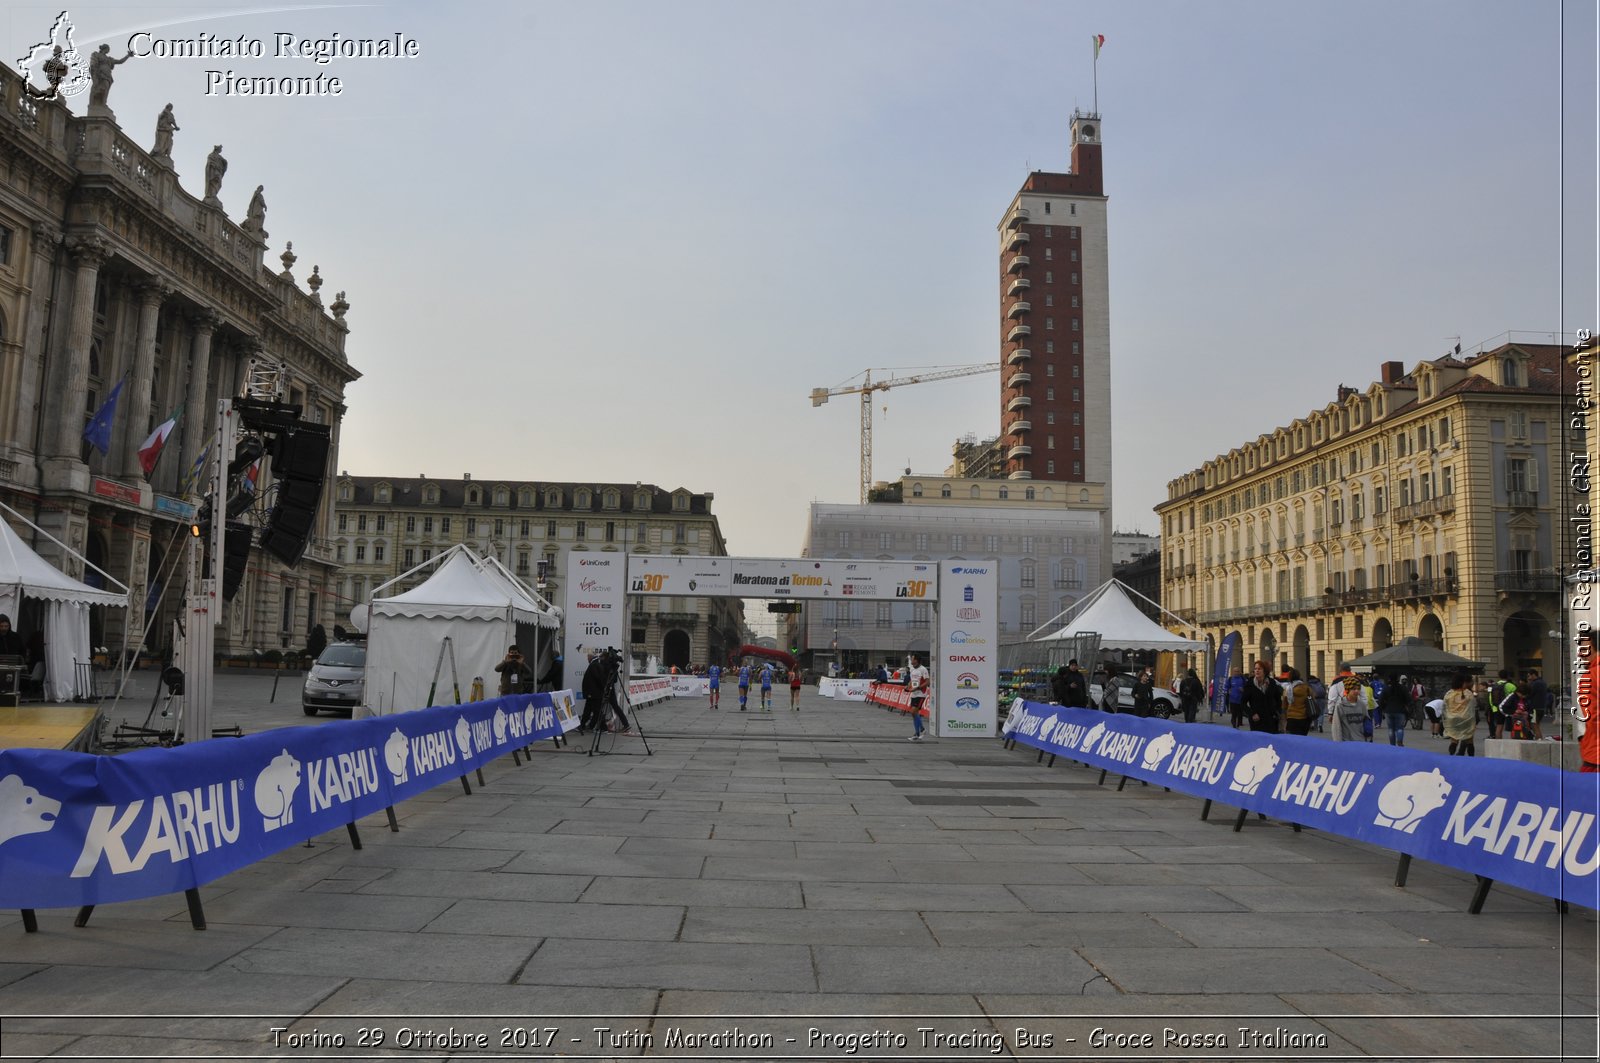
(962, 638)
(967, 681)
(24, 810)
(275, 788)
(967, 658)
(594, 605)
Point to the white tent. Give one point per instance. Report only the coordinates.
(479, 610)
(1110, 613)
(24, 574)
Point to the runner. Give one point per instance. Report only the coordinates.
(794, 689)
(918, 684)
(744, 685)
(766, 687)
(714, 675)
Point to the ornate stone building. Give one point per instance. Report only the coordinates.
(1432, 503)
(388, 525)
(111, 272)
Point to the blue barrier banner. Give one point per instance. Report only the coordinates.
(81, 829)
(1525, 824)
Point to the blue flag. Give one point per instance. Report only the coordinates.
(1221, 670)
(99, 431)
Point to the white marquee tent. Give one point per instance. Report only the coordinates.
(1110, 613)
(24, 574)
(476, 604)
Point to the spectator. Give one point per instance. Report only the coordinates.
(513, 672)
(1539, 701)
(1236, 685)
(1460, 722)
(1396, 706)
(1263, 700)
(1298, 712)
(1319, 700)
(1143, 694)
(1349, 706)
(1190, 694)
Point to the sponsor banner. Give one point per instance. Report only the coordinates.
(565, 703)
(594, 606)
(647, 690)
(78, 829)
(966, 676)
(1220, 670)
(765, 577)
(1525, 824)
(892, 696)
(844, 689)
(691, 686)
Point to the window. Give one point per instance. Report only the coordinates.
(1047, 207)
(1077, 418)
(1050, 370)
(410, 557)
(1049, 323)
(1027, 574)
(1049, 277)
(583, 530)
(502, 497)
(1355, 506)
(427, 525)
(1077, 442)
(499, 527)
(974, 492)
(1447, 480)
(383, 520)
(958, 542)
(1027, 544)
(922, 541)
(1047, 254)
(611, 531)
(549, 529)
(1522, 474)
(5, 246)
(472, 525)
(944, 492)
(991, 543)
(1029, 619)
(382, 494)
(1426, 484)
(1519, 425)
(1074, 250)
(1444, 430)
(1049, 442)
(919, 612)
(916, 490)
(344, 522)
(1047, 232)
(1049, 468)
(1049, 300)
(377, 551)
(411, 525)
(427, 554)
(841, 539)
(1027, 492)
(1074, 278)
(885, 614)
(444, 525)
(1074, 324)
(361, 522)
(1377, 502)
(524, 529)
(1405, 491)
(361, 552)
(1077, 371)
(1050, 348)
(1074, 300)
(581, 499)
(338, 552)
(474, 497)
(1050, 417)
(1050, 394)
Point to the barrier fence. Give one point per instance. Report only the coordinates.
(82, 830)
(1503, 820)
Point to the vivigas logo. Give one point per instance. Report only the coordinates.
(967, 681)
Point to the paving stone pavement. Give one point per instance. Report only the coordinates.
(810, 875)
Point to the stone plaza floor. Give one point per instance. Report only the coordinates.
(798, 885)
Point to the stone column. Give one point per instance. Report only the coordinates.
(89, 253)
(150, 295)
(27, 385)
(198, 413)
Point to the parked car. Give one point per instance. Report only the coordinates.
(336, 680)
(1163, 702)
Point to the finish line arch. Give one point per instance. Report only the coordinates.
(963, 597)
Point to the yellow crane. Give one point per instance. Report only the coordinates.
(868, 386)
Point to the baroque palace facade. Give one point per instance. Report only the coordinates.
(1433, 504)
(111, 272)
(387, 526)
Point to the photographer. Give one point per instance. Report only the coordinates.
(513, 672)
(600, 690)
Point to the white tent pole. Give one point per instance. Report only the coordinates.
(65, 547)
(1076, 608)
(461, 547)
(1159, 607)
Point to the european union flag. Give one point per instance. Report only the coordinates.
(99, 431)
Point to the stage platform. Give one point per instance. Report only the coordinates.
(48, 727)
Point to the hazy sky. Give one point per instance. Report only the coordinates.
(623, 241)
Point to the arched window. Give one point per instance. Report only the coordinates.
(944, 492)
(430, 495)
(974, 492)
(382, 493)
(1027, 494)
(525, 498)
(502, 497)
(641, 501)
(552, 498)
(474, 496)
(613, 499)
(580, 498)
(916, 490)
(1005, 492)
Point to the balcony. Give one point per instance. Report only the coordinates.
(1188, 570)
(1021, 450)
(1437, 587)
(1021, 354)
(1021, 426)
(1428, 508)
(1021, 284)
(1017, 238)
(1019, 380)
(678, 619)
(1527, 581)
(1523, 499)
(1018, 402)
(1018, 332)
(1021, 262)
(1067, 583)
(1018, 217)
(1019, 308)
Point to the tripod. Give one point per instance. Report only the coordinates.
(610, 709)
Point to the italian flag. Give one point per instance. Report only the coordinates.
(150, 450)
(1099, 41)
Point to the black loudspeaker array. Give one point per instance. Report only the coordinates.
(299, 463)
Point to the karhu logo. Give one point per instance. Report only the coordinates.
(275, 788)
(1154, 753)
(24, 810)
(396, 751)
(464, 736)
(1253, 769)
(1407, 800)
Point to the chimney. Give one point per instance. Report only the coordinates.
(466, 476)
(1392, 372)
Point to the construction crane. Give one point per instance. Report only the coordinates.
(868, 386)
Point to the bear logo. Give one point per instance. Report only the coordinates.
(24, 810)
(1408, 799)
(396, 751)
(1253, 769)
(464, 736)
(1047, 727)
(1157, 750)
(275, 788)
(527, 720)
(1089, 740)
(499, 726)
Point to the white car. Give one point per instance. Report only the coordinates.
(337, 680)
(1163, 702)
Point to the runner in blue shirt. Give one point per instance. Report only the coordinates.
(744, 685)
(714, 673)
(766, 687)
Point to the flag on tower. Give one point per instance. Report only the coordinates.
(192, 477)
(1099, 40)
(98, 433)
(252, 478)
(150, 450)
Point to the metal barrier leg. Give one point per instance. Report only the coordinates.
(394, 826)
(465, 785)
(1205, 810)
(82, 918)
(1102, 778)
(1238, 824)
(480, 778)
(1480, 894)
(197, 915)
(1402, 870)
(355, 835)
(1122, 783)
(30, 921)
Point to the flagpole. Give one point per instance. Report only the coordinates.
(1097, 77)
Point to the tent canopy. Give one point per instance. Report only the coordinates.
(478, 608)
(23, 570)
(1111, 614)
(1412, 654)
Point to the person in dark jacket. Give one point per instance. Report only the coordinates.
(1070, 688)
(1236, 685)
(1395, 704)
(1263, 700)
(1143, 694)
(1190, 694)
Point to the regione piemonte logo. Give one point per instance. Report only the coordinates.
(54, 68)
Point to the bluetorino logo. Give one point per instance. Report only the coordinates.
(963, 638)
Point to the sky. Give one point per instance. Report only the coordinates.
(623, 241)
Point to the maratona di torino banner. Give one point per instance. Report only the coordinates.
(80, 829)
(1524, 824)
